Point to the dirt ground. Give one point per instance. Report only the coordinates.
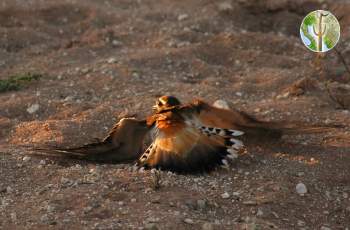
(102, 60)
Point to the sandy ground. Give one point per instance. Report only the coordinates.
(102, 60)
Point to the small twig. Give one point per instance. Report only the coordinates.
(321, 67)
(156, 177)
(342, 59)
(332, 97)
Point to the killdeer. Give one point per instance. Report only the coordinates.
(193, 137)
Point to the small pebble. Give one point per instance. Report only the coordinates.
(13, 216)
(207, 226)
(188, 221)
(26, 159)
(239, 94)
(221, 104)
(33, 108)
(151, 226)
(116, 43)
(225, 6)
(301, 223)
(301, 189)
(259, 213)
(111, 60)
(9, 189)
(225, 195)
(50, 208)
(152, 220)
(182, 17)
(202, 204)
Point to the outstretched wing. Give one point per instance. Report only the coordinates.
(124, 143)
(252, 127)
(182, 145)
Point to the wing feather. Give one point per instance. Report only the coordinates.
(123, 144)
(252, 127)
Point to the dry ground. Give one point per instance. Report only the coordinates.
(101, 60)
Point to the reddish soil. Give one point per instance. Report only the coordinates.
(102, 60)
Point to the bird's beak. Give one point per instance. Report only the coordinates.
(155, 107)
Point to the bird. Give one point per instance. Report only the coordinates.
(185, 138)
(182, 143)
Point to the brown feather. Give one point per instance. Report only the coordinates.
(252, 127)
(123, 144)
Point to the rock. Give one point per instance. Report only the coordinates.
(239, 94)
(68, 98)
(121, 203)
(221, 104)
(283, 96)
(42, 162)
(182, 17)
(257, 110)
(250, 203)
(151, 226)
(9, 189)
(225, 6)
(325, 228)
(78, 167)
(259, 213)
(44, 219)
(201, 204)
(152, 220)
(66, 181)
(116, 43)
(85, 70)
(191, 204)
(300, 223)
(207, 226)
(301, 189)
(188, 221)
(26, 159)
(133, 200)
(235, 193)
(66, 220)
(111, 60)
(225, 195)
(50, 208)
(87, 209)
(33, 108)
(13, 217)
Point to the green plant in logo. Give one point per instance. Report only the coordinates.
(320, 31)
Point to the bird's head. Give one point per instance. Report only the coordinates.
(166, 102)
